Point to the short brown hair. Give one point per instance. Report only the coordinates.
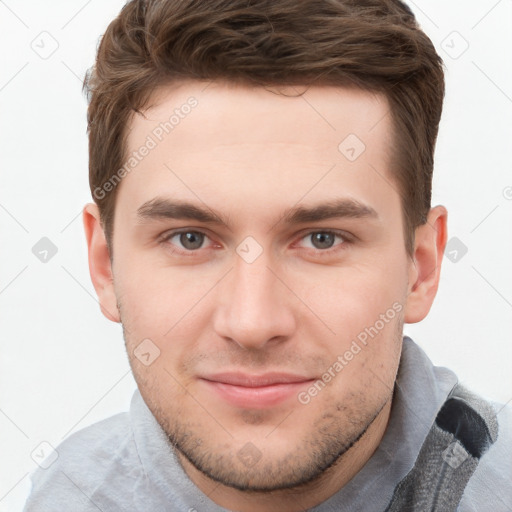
(375, 45)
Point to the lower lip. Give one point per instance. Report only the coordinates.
(258, 397)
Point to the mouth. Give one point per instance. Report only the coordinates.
(256, 391)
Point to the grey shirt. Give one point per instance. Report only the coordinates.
(125, 463)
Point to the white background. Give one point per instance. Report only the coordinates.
(63, 365)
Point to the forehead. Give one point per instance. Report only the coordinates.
(214, 139)
(323, 113)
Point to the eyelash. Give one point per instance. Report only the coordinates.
(347, 240)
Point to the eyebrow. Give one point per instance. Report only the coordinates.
(160, 208)
(338, 208)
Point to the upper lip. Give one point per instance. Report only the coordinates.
(254, 381)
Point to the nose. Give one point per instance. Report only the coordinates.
(254, 308)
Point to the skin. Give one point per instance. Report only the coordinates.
(250, 155)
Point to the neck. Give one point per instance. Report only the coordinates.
(305, 497)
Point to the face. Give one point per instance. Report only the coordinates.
(261, 275)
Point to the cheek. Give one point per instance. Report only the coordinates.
(156, 299)
(350, 299)
(363, 306)
(170, 308)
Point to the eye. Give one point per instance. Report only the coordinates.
(322, 240)
(189, 240)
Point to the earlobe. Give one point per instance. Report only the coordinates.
(100, 267)
(425, 268)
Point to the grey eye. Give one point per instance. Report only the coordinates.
(322, 239)
(191, 240)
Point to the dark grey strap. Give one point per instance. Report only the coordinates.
(464, 429)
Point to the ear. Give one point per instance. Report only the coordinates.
(100, 267)
(425, 266)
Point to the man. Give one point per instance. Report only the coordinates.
(262, 229)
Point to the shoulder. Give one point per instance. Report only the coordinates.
(102, 453)
(491, 483)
